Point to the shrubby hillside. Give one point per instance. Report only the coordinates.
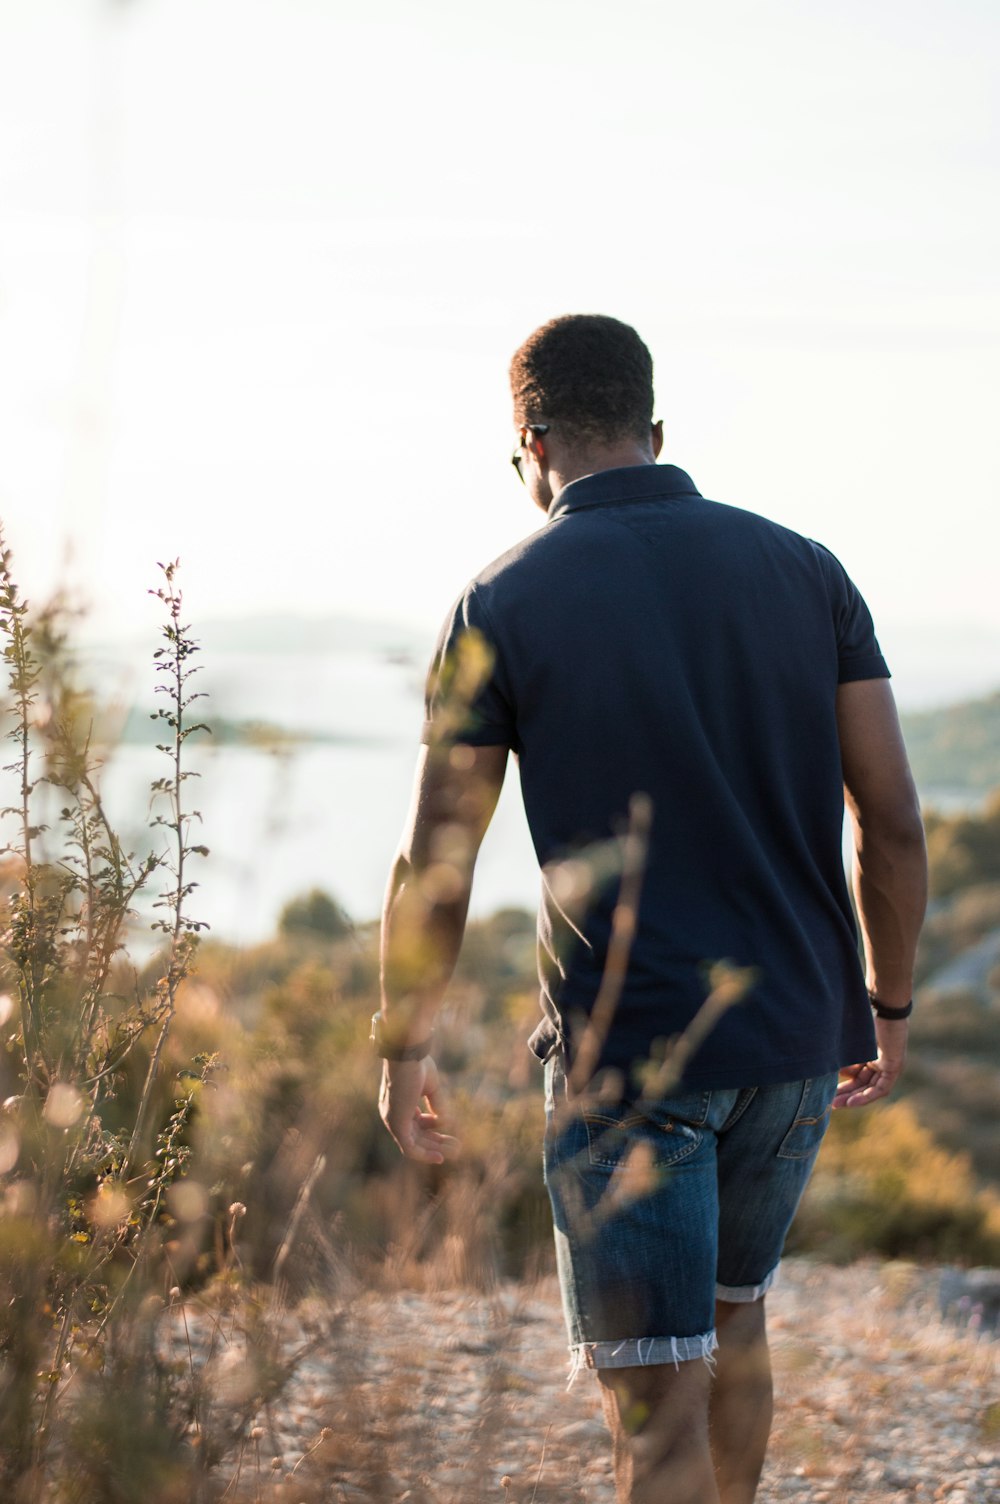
(953, 1081)
(956, 748)
(917, 1177)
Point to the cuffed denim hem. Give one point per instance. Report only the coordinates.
(744, 1294)
(639, 1352)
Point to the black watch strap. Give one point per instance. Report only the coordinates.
(882, 1010)
(389, 1049)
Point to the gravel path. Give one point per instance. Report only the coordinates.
(452, 1398)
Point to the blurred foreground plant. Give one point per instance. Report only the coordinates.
(83, 1188)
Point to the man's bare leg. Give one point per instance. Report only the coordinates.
(741, 1404)
(658, 1419)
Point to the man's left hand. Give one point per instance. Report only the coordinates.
(406, 1086)
(860, 1085)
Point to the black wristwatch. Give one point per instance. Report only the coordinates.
(882, 1010)
(388, 1049)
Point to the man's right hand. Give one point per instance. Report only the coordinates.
(406, 1085)
(861, 1084)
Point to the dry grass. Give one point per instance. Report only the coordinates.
(451, 1396)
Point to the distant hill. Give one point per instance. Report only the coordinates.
(956, 748)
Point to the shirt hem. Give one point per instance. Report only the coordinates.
(773, 1073)
(863, 668)
(482, 737)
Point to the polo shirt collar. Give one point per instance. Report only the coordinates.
(631, 483)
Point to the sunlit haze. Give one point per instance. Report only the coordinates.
(263, 265)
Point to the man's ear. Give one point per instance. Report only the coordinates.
(536, 444)
(657, 434)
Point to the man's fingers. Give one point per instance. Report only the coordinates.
(431, 1151)
(427, 1131)
(445, 1144)
(434, 1088)
(868, 1094)
(439, 1103)
(848, 1083)
(429, 1147)
(438, 1099)
(424, 1154)
(412, 1105)
(861, 1084)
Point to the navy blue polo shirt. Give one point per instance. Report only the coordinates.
(647, 639)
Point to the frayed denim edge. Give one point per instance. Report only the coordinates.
(636, 1352)
(744, 1294)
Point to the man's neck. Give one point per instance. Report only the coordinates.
(591, 461)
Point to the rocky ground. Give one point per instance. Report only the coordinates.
(454, 1398)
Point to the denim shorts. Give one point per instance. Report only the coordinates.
(663, 1207)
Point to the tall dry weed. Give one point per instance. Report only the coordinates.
(94, 1135)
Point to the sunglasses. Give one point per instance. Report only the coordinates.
(516, 457)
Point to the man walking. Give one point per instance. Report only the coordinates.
(717, 675)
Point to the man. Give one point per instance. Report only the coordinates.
(652, 652)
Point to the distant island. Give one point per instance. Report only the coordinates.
(139, 729)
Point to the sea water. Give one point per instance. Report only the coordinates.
(323, 808)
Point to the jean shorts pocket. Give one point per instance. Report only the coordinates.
(805, 1135)
(613, 1134)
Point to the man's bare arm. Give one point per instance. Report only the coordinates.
(423, 921)
(890, 871)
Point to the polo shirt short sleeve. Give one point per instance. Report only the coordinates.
(858, 652)
(466, 698)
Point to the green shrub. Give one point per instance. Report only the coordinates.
(964, 849)
(883, 1185)
(314, 913)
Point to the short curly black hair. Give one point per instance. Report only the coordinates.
(590, 374)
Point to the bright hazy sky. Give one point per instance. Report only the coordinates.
(263, 264)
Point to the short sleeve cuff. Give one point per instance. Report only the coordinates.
(479, 736)
(872, 667)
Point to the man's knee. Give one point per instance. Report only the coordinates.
(741, 1323)
(660, 1403)
(744, 1363)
